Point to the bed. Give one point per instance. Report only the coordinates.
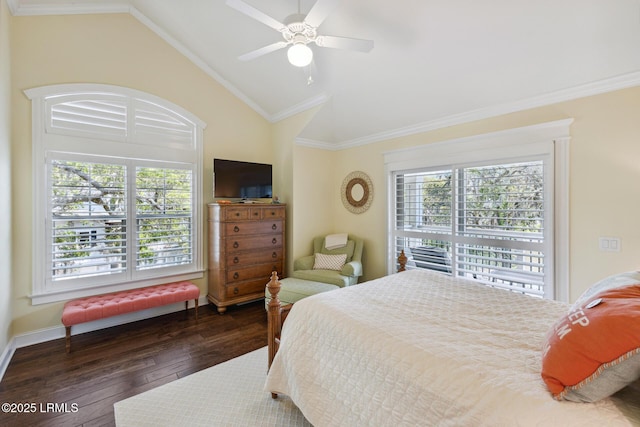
(425, 348)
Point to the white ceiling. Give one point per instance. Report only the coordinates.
(435, 62)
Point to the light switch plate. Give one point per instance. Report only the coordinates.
(609, 244)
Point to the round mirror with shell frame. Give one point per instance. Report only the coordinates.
(357, 192)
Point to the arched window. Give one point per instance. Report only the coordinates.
(117, 191)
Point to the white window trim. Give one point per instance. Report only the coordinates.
(131, 148)
(551, 138)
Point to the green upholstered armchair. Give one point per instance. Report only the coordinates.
(352, 269)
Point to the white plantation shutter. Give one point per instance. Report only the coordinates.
(117, 179)
(491, 208)
(119, 118)
(500, 225)
(485, 223)
(87, 239)
(96, 115)
(424, 230)
(153, 123)
(164, 216)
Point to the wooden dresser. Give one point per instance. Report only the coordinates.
(246, 243)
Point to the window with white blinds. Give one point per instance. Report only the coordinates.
(491, 208)
(481, 222)
(88, 205)
(164, 200)
(117, 185)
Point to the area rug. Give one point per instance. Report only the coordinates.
(229, 394)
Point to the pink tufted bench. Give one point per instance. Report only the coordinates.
(107, 305)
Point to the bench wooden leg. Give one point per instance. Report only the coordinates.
(195, 304)
(68, 338)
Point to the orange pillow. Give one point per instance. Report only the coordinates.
(594, 350)
(618, 280)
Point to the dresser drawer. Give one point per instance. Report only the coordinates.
(264, 241)
(255, 286)
(258, 213)
(235, 214)
(254, 257)
(269, 213)
(255, 214)
(251, 228)
(260, 271)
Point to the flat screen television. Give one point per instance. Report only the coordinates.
(234, 179)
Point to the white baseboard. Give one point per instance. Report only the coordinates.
(7, 354)
(49, 334)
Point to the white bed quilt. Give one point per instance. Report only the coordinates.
(423, 348)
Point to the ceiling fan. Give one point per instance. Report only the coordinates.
(299, 31)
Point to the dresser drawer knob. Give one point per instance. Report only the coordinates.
(236, 291)
(236, 245)
(236, 228)
(274, 227)
(274, 241)
(274, 255)
(236, 275)
(236, 260)
(256, 213)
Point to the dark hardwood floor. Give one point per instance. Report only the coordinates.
(112, 364)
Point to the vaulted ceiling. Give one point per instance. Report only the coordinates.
(434, 63)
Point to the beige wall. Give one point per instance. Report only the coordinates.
(314, 191)
(5, 178)
(293, 178)
(118, 50)
(604, 193)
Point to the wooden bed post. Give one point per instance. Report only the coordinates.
(274, 319)
(274, 312)
(402, 260)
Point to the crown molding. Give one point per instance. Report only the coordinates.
(13, 6)
(18, 8)
(299, 108)
(190, 55)
(313, 143)
(513, 137)
(581, 91)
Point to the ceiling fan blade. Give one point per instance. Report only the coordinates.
(345, 43)
(320, 11)
(254, 13)
(262, 51)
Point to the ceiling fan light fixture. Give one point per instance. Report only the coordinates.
(300, 55)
